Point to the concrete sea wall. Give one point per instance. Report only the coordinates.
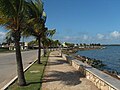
(102, 80)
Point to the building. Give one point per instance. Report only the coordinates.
(64, 45)
(23, 46)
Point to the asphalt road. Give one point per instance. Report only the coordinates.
(8, 68)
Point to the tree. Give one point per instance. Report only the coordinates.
(12, 17)
(56, 43)
(69, 45)
(50, 35)
(51, 32)
(36, 22)
(46, 40)
(33, 43)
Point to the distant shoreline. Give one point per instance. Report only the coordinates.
(111, 45)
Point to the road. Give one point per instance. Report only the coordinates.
(8, 66)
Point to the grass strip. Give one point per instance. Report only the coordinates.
(33, 76)
(3, 50)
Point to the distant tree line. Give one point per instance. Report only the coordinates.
(81, 44)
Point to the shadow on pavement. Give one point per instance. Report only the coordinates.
(58, 62)
(67, 78)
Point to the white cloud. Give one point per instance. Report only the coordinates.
(115, 34)
(112, 37)
(77, 39)
(100, 36)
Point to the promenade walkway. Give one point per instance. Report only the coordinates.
(59, 75)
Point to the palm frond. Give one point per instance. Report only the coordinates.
(35, 8)
(3, 21)
(7, 8)
(51, 32)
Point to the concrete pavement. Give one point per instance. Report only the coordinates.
(59, 75)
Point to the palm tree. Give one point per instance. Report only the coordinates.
(50, 35)
(51, 32)
(36, 22)
(46, 40)
(12, 16)
(58, 44)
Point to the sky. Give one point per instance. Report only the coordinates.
(83, 21)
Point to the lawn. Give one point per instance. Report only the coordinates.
(33, 76)
(3, 50)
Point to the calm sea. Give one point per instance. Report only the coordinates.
(110, 56)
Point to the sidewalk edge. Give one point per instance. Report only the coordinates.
(15, 78)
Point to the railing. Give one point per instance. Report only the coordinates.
(102, 80)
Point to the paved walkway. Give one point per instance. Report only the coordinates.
(59, 75)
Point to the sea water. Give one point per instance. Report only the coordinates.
(109, 56)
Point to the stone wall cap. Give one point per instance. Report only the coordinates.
(115, 83)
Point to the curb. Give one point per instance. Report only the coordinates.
(15, 78)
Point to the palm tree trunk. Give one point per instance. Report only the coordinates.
(21, 78)
(39, 50)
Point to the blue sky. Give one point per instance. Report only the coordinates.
(83, 21)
